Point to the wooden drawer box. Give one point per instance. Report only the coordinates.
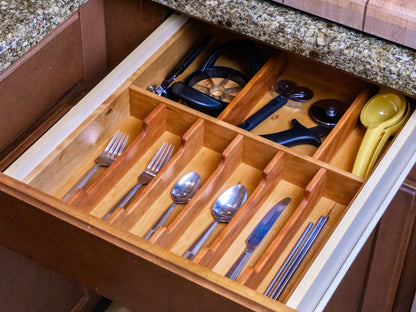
(112, 258)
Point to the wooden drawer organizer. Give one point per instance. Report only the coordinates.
(317, 179)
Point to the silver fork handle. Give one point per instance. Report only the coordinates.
(239, 265)
(196, 246)
(81, 183)
(123, 201)
(159, 222)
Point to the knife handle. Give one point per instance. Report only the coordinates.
(238, 265)
(297, 135)
(263, 113)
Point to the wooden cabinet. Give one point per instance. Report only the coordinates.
(27, 286)
(112, 258)
(383, 276)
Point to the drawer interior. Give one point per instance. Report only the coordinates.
(317, 179)
(223, 156)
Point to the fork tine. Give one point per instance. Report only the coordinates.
(160, 157)
(155, 158)
(163, 159)
(110, 144)
(168, 155)
(114, 152)
(123, 146)
(114, 145)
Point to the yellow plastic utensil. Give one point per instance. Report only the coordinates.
(383, 115)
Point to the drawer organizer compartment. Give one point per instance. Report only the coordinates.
(337, 89)
(223, 156)
(317, 179)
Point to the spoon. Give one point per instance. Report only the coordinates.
(182, 193)
(381, 112)
(223, 211)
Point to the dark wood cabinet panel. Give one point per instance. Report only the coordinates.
(34, 84)
(27, 286)
(383, 276)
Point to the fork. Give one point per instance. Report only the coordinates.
(113, 149)
(158, 162)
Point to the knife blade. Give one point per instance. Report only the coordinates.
(256, 236)
(299, 134)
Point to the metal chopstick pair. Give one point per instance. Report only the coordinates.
(295, 257)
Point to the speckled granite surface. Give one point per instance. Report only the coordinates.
(364, 55)
(23, 23)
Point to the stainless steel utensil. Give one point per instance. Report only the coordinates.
(223, 210)
(182, 193)
(299, 254)
(256, 236)
(113, 149)
(158, 162)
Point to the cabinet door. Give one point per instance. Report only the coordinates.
(25, 284)
(383, 276)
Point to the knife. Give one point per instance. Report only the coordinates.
(299, 134)
(256, 236)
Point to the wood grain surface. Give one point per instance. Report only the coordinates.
(394, 20)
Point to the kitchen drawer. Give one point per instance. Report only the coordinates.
(111, 256)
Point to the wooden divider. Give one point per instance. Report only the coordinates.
(271, 176)
(241, 107)
(159, 193)
(338, 141)
(76, 154)
(153, 127)
(231, 158)
(253, 276)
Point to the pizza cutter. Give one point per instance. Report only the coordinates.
(325, 112)
(288, 90)
(212, 87)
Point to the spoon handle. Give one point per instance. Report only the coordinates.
(196, 246)
(159, 222)
(367, 150)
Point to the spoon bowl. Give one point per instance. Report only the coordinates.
(229, 203)
(223, 210)
(186, 188)
(383, 109)
(182, 193)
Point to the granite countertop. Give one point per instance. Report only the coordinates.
(24, 23)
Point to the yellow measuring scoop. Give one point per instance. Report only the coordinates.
(383, 115)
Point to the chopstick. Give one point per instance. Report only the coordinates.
(294, 259)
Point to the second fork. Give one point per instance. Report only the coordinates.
(156, 164)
